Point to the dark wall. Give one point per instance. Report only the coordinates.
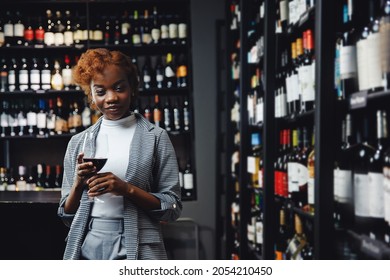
(203, 18)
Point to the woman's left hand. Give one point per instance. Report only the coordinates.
(106, 183)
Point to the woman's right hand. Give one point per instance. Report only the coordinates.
(84, 170)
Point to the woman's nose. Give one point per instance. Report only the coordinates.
(111, 96)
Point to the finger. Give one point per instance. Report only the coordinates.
(80, 157)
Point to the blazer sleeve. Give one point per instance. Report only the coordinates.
(67, 181)
(166, 185)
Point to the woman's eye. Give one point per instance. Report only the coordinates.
(119, 89)
(99, 91)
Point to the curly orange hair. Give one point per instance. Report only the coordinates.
(93, 62)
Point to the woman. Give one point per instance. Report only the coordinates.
(138, 185)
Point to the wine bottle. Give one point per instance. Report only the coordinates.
(169, 72)
(3, 179)
(61, 119)
(35, 75)
(13, 75)
(66, 73)
(156, 32)
(147, 73)
(13, 119)
(9, 29)
(116, 32)
(307, 72)
(3, 75)
(68, 30)
(188, 180)
(32, 119)
(281, 237)
(86, 114)
(384, 31)
(182, 31)
(186, 115)
(19, 29)
(24, 75)
(40, 179)
(181, 72)
(48, 182)
(22, 119)
(51, 118)
(11, 184)
(125, 28)
(4, 119)
(157, 112)
(362, 155)
(177, 116)
(57, 81)
(159, 73)
(136, 32)
(46, 74)
(58, 177)
(41, 118)
(146, 29)
(59, 29)
(39, 33)
(311, 174)
(376, 178)
(28, 34)
(368, 52)
(49, 39)
(167, 111)
(21, 181)
(292, 169)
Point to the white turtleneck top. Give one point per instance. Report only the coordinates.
(118, 141)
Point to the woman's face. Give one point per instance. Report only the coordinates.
(111, 93)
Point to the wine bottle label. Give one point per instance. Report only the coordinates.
(147, 38)
(384, 31)
(164, 31)
(188, 181)
(61, 125)
(11, 187)
(348, 66)
(31, 119)
(387, 194)
(21, 185)
(173, 30)
(28, 35)
(260, 176)
(97, 35)
(251, 233)
(59, 39)
(46, 79)
(284, 187)
(49, 38)
(283, 8)
(295, 87)
(147, 78)
(125, 27)
(169, 72)
(77, 35)
(23, 79)
(2, 39)
(343, 185)
(156, 34)
(67, 76)
(12, 121)
(8, 30)
(51, 122)
(57, 82)
(18, 30)
(68, 38)
(182, 30)
(181, 71)
(259, 232)
(303, 174)
(376, 199)
(292, 173)
(22, 120)
(361, 193)
(136, 39)
(11, 80)
(181, 179)
(310, 190)
(253, 164)
(41, 120)
(39, 35)
(4, 120)
(35, 79)
(374, 65)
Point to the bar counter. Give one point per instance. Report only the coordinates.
(30, 228)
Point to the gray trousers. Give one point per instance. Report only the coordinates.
(104, 241)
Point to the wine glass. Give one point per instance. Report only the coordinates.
(98, 155)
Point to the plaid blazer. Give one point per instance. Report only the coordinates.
(152, 167)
